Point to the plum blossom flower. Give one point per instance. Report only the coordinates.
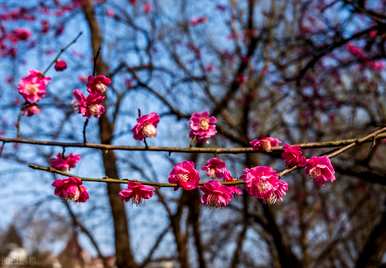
(71, 189)
(293, 156)
(92, 105)
(215, 194)
(320, 169)
(202, 126)
(264, 183)
(30, 109)
(216, 168)
(265, 143)
(64, 163)
(60, 65)
(33, 86)
(136, 191)
(98, 84)
(185, 175)
(146, 126)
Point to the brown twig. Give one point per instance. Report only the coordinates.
(171, 149)
(335, 153)
(61, 51)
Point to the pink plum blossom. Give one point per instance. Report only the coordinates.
(185, 175)
(136, 192)
(216, 168)
(146, 126)
(98, 84)
(264, 183)
(60, 65)
(64, 163)
(71, 189)
(202, 126)
(33, 86)
(293, 156)
(320, 169)
(92, 105)
(265, 143)
(215, 194)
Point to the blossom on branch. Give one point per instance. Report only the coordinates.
(136, 192)
(185, 175)
(202, 126)
(64, 163)
(320, 169)
(265, 143)
(293, 156)
(264, 183)
(215, 168)
(71, 189)
(33, 86)
(215, 194)
(98, 84)
(146, 126)
(60, 65)
(92, 105)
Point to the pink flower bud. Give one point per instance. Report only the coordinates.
(60, 65)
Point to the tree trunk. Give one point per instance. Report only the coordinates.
(123, 252)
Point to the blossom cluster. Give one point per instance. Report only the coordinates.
(93, 103)
(32, 87)
(262, 182)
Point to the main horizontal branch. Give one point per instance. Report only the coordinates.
(115, 180)
(170, 149)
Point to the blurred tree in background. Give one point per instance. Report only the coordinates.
(299, 70)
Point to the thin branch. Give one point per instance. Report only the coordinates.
(61, 51)
(171, 149)
(84, 131)
(283, 173)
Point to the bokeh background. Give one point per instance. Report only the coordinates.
(289, 69)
